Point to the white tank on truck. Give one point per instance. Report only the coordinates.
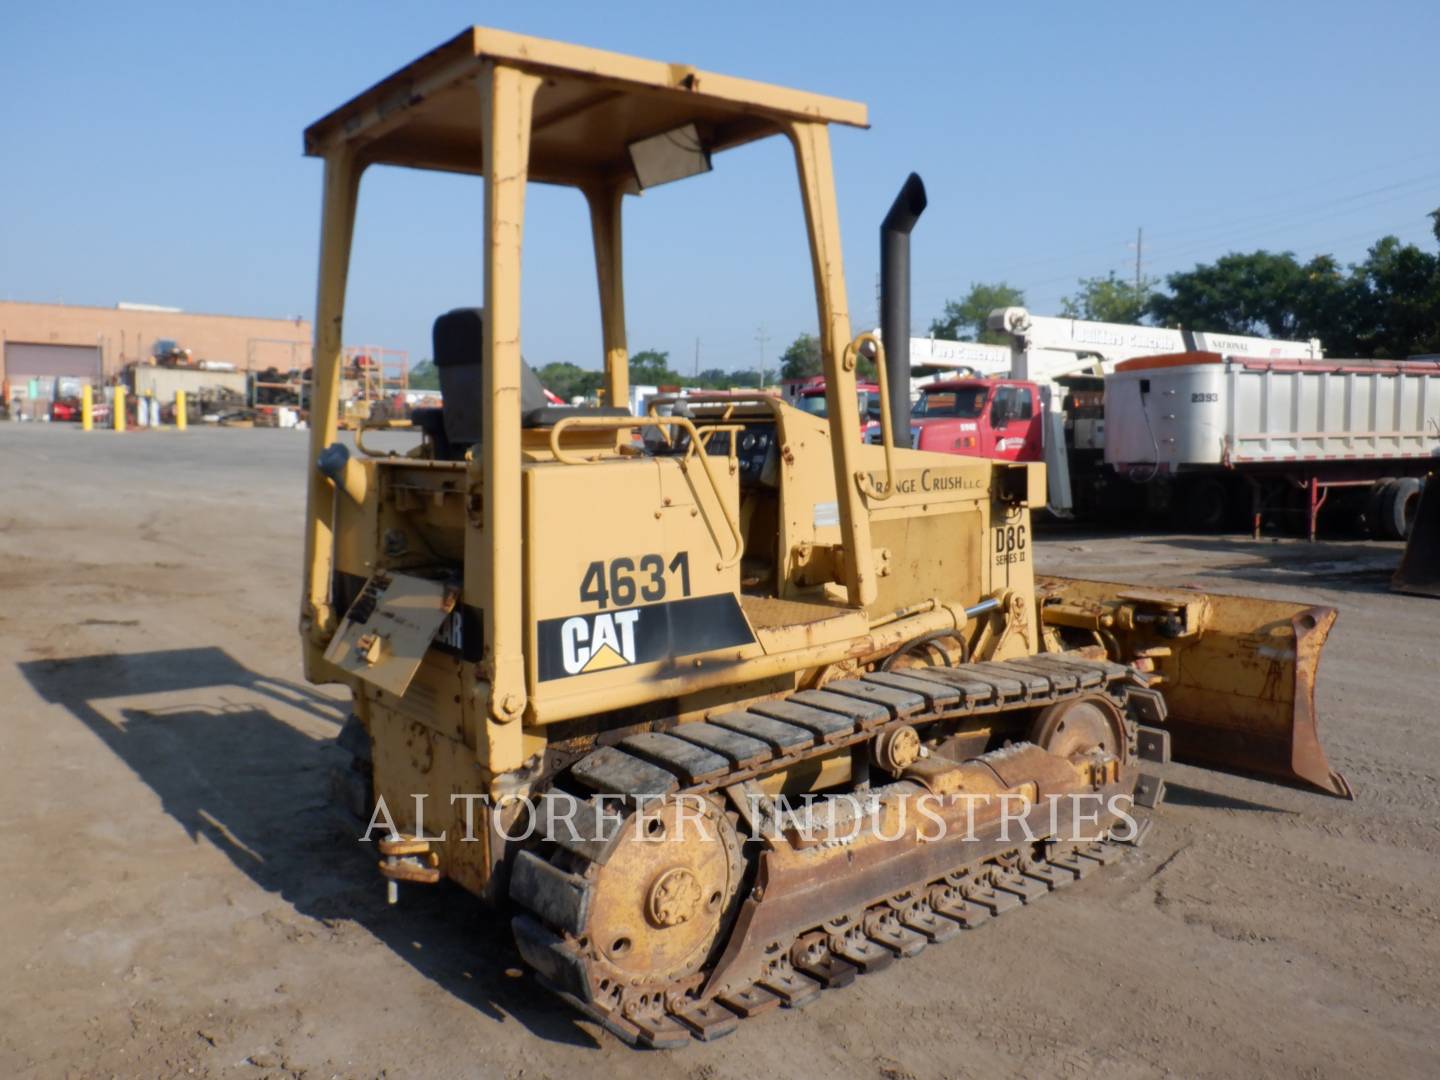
(1209, 423)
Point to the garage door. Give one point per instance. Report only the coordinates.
(26, 359)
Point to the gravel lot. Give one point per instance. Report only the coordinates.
(179, 899)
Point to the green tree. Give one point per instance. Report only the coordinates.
(1330, 304)
(1108, 299)
(1257, 293)
(651, 367)
(964, 320)
(569, 381)
(425, 376)
(713, 379)
(1386, 306)
(802, 358)
(1400, 307)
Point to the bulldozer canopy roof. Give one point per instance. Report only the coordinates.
(591, 106)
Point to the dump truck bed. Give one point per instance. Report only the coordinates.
(1202, 409)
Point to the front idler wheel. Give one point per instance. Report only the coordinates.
(1082, 728)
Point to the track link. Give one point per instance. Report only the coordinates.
(725, 752)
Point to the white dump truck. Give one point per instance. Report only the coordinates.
(1289, 434)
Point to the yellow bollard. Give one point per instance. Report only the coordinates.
(117, 409)
(87, 408)
(179, 410)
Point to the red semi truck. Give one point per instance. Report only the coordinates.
(1001, 419)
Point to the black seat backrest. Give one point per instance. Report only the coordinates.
(459, 343)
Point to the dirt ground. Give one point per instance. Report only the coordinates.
(178, 898)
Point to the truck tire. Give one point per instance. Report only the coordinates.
(1375, 506)
(1398, 512)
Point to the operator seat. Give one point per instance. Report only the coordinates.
(458, 338)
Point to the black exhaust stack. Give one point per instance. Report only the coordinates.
(895, 300)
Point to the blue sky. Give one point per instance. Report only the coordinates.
(152, 153)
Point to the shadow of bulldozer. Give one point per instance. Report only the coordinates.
(226, 765)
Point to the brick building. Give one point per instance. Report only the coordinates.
(40, 343)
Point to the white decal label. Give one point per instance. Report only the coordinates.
(596, 642)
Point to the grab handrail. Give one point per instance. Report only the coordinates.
(617, 423)
(867, 485)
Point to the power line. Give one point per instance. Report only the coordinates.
(1390, 192)
(1371, 233)
(1227, 224)
(1278, 228)
(1252, 232)
(1290, 192)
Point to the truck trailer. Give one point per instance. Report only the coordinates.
(1288, 434)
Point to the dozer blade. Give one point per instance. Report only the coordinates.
(1419, 571)
(1237, 672)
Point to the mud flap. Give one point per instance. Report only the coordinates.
(1419, 571)
(1237, 672)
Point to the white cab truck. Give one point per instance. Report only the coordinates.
(1289, 433)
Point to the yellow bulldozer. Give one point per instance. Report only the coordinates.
(719, 705)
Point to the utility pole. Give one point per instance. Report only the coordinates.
(1139, 247)
(697, 357)
(762, 337)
